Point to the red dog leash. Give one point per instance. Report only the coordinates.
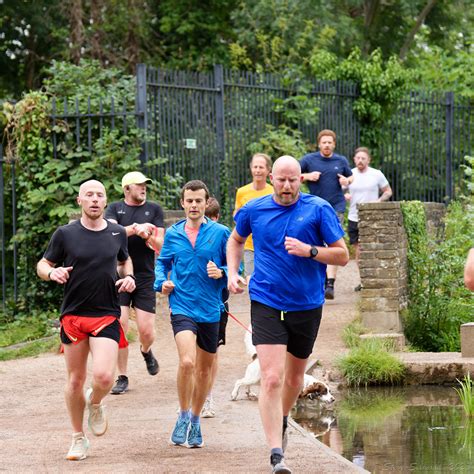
(239, 322)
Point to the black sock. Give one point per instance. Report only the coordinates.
(285, 422)
(331, 281)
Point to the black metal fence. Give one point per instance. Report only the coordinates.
(427, 140)
(203, 124)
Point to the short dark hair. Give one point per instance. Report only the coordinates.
(213, 208)
(195, 185)
(326, 132)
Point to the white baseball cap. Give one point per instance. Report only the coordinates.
(135, 177)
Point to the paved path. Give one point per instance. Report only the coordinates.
(35, 433)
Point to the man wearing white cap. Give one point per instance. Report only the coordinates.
(143, 221)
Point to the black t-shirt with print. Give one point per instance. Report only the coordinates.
(142, 256)
(90, 289)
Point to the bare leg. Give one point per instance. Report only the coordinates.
(76, 365)
(294, 376)
(331, 271)
(272, 363)
(104, 360)
(146, 328)
(202, 378)
(123, 353)
(186, 344)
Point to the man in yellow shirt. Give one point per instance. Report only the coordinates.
(260, 167)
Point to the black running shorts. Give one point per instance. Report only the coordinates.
(143, 297)
(353, 231)
(295, 329)
(206, 333)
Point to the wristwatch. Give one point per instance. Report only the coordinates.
(313, 251)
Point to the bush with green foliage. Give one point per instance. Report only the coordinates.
(47, 185)
(438, 302)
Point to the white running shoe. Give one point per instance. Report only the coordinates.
(79, 447)
(97, 419)
(208, 409)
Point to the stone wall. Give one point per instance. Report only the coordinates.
(383, 262)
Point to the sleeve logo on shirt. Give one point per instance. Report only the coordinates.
(121, 212)
(115, 233)
(147, 213)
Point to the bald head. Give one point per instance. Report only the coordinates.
(287, 163)
(91, 184)
(286, 179)
(92, 199)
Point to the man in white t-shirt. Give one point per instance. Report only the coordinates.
(369, 185)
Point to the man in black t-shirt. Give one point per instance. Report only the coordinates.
(90, 251)
(143, 221)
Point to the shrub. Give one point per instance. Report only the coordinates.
(438, 302)
(371, 364)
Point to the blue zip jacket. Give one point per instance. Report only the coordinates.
(195, 294)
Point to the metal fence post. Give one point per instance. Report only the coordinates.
(2, 229)
(220, 123)
(141, 109)
(449, 141)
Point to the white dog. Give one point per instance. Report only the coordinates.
(312, 388)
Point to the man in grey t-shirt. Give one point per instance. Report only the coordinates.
(369, 185)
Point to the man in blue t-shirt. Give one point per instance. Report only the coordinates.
(327, 173)
(295, 236)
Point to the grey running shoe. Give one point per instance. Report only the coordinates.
(121, 385)
(151, 363)
(277, 462)
(97, 420)
(79, 447)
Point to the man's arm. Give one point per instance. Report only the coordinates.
(126, 283)
(156, 238)
(334, 254)
(47, 271)
(386, 193)
(235, 250)
(313, 176)
(469, 270)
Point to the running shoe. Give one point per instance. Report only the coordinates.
(208, 409)
(151, 363)
(180, 432)
(194, 439)
(329, 292)
(97, 420)
(79, 447)
(277, 462)
(121, 385)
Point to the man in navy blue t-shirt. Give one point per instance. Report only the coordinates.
(327, 173)
(295, 236)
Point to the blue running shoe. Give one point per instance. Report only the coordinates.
(194, 436)
(180, 431)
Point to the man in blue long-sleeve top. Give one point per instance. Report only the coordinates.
(194, 251)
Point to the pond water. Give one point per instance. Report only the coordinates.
(405, 429)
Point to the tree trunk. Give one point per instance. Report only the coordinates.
(97, 32)
(133, 44)
(370, 12)
(76, 14)
(411, 35)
